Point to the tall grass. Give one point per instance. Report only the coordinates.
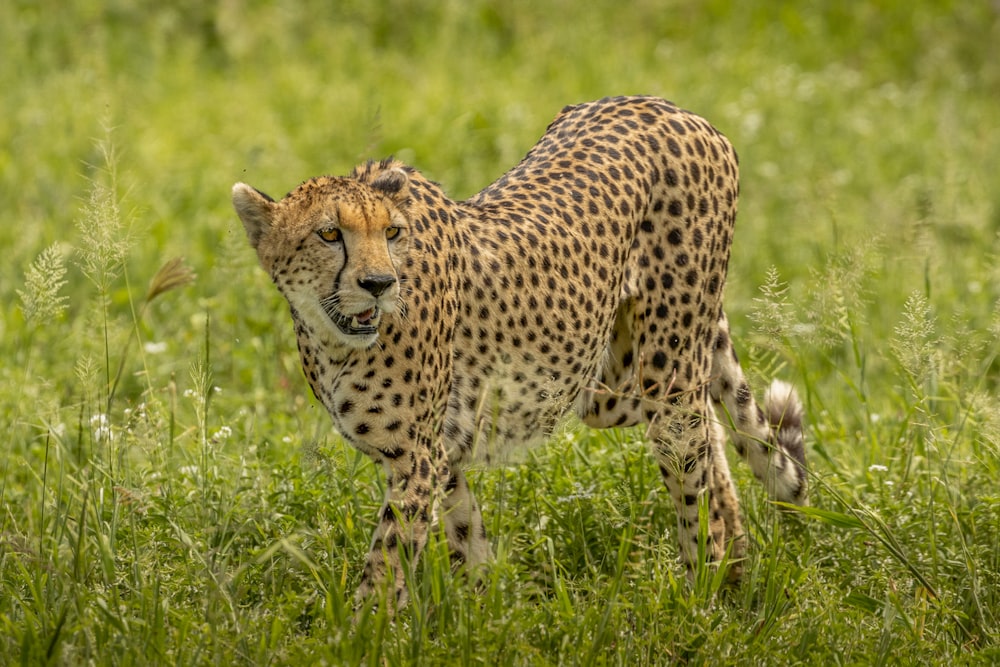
(170, 493)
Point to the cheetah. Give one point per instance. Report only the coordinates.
(588, 279)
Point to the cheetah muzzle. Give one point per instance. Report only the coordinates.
(364, 323)
(588, 279)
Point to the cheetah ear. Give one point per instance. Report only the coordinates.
(393, 184)
(255, 210)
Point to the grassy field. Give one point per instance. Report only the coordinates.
(170, 492)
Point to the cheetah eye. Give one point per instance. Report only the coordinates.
(392, 232)
(329, 234)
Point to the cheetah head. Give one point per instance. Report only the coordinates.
(333, 247)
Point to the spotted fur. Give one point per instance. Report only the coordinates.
(587, 279)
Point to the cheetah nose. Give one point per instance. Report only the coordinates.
(376, 284)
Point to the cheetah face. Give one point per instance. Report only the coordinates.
(333, 247)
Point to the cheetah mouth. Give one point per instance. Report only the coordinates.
(364, 323)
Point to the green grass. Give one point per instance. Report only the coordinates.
(170, 492)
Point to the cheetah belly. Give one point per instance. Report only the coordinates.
(494, 415)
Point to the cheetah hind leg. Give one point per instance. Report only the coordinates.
(684, 452)
(724, 491)
(689, 451)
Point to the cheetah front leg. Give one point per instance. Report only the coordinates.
(403, 526)
(463, 523)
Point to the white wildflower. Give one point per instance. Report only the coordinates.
(223, 433)
(101, 426)
(154, 347)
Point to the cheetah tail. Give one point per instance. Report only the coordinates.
(787, 479)
(769, 438)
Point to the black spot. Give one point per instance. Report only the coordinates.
(462, 532)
